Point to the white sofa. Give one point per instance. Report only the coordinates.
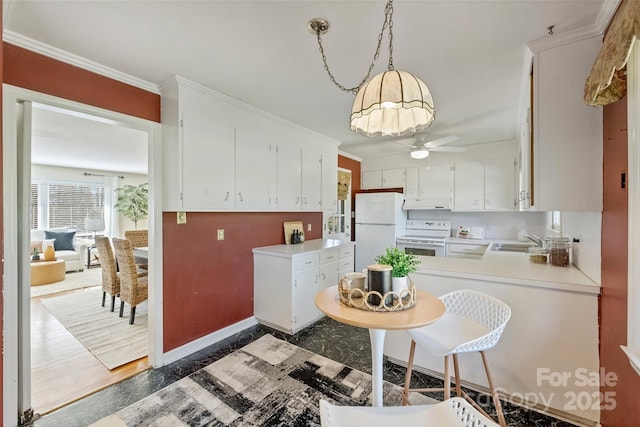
(75, 259)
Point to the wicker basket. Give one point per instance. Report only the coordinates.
(357, 298)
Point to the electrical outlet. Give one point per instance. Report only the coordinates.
(182, 217)
(309, 227)
(220, 234)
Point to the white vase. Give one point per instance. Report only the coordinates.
(398, 284)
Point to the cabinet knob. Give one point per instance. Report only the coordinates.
(240, 195)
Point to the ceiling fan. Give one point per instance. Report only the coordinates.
(421, 147)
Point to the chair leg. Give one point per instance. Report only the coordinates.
(447, 378)
(132, 315)
(494, 393)
(104, 296)
(457, 375)
(121, 308)
(113, 303)
(407, 378)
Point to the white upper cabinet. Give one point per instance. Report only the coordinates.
(429, 182)
(223, 155)
(371, 179)
(311, 174)
(393, 178)
(567, 146)
(256, 181)
(207, 148)
(487, 185)
(289, 174)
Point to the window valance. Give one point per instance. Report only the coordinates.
(607, 81)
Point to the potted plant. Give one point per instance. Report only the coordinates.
(402, 264)
(133, 202)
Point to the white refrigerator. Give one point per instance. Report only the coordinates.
(379, 220)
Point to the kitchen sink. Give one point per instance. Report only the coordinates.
(511, 247)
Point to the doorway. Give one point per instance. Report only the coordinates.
(17, 177)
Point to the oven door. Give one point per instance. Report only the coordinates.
(421, 247)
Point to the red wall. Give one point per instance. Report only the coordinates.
(613, 302)
(208, 284)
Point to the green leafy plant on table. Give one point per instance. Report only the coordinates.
(401, 262)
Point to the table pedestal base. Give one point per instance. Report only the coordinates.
(377, 347)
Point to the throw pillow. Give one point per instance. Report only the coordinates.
(63, 239)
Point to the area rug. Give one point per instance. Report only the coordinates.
(266, 383)
(109, 337)
(73, 280)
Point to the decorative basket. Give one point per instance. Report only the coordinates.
(357, 298)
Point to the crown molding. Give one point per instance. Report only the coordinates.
(78, 61)
(349, 156)
(607, 11)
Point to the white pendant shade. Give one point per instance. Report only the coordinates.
(393, 103)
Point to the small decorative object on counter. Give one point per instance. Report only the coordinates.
(35, 256)
(559, 251)
(538, 255)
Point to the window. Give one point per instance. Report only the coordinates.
(554, 221)
(65, 204)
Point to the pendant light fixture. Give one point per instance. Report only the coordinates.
(392, 103)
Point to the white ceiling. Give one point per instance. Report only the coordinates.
(471, 54)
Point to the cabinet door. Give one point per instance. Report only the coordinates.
(435, 181)
(468, 192)
(311, 179)
(289, 175)
(499, 184)
(256, 169)
(393, 178)
(411, 186)
(207, 151)
(330, 179)
(304, 294)
(371, 179)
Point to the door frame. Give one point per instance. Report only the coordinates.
(11, 151)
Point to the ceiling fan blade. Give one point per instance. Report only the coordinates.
(441, 141)
(448, 149)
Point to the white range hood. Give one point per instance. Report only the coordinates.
(426, 203)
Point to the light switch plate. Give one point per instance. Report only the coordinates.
(182, 217)
(220, 234)
(309, 227)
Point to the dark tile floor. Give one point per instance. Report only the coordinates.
(346, 344)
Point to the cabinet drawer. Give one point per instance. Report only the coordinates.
(466, 249)
(329, 255)
(346, 251)
(306, 261)
(346, 265)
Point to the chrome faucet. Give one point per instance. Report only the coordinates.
(535, 239)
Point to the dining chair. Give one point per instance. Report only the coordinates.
(451, 413)
(134, 288)
(110, 277)
(473, 322)
(138, 239)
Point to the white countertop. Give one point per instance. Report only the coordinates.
(307, 247)
(510, 267)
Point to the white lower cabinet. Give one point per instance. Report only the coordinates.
(286, 279)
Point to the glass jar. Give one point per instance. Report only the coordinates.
(538, 255)
(559, 251)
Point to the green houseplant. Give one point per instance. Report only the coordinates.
(402, 264)
(133, 202)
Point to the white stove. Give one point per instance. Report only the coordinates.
(425, 237)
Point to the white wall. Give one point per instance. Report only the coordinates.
(121, 223)
(586, 227)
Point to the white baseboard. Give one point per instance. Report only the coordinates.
(212, 338)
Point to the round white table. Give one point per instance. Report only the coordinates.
(426, 310)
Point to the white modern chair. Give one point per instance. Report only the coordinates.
(473, 322)
(450, 413)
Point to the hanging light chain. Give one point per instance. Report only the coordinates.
(388, 22)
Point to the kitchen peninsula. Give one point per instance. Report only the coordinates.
(552, 333)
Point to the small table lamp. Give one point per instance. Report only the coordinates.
(94, 225)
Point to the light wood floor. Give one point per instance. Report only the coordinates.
(62, 369)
